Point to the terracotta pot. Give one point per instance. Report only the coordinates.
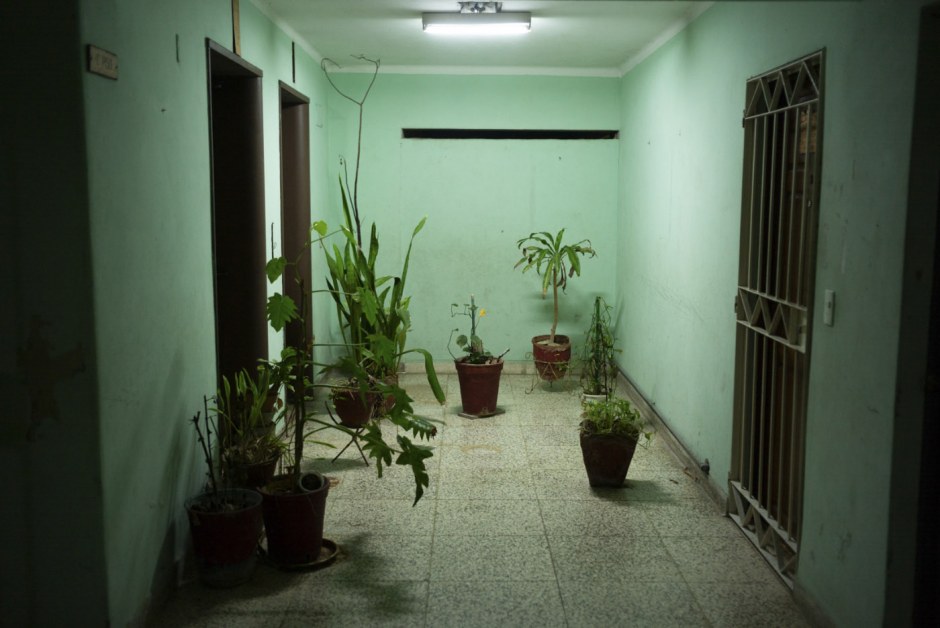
(607, 458)
(389, 403)
(354, 410)
(551, 360)
(479, 387)
(293, 518)
(225, 542)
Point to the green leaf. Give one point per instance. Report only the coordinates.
(320, 227)
(370, 305)
(414, 455)
(281, 309)
(274, 268)
(461, 340)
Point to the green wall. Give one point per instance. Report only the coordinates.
(266, 46)
(150, 217)
(480, 196)
(681, 160)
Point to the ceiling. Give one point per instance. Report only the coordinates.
(579, 37)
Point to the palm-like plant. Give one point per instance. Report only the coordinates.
(554, 261)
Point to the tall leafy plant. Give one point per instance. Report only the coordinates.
(599, 369)
(554, 261)
(281, 310)
(372, 309)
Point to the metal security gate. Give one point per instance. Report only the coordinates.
(782, 122)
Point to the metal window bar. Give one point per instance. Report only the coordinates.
(773, 306)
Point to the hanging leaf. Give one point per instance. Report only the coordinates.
(281, 309)
(274, 268)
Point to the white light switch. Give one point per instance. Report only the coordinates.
(829, 307)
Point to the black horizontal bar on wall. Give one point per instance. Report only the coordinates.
(508, 134)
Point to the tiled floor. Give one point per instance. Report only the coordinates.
(510, 534)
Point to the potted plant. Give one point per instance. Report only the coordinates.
(250, 446)
(294, 502)
(610, 431)
(372, 309)
(598, 367)
(555, 262)
(225, 523)
(478, 372)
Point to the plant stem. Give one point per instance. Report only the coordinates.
(555, 296)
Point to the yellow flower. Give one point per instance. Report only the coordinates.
(482, 312)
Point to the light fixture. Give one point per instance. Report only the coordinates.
(478, 18)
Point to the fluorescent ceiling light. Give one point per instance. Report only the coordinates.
(501, 23)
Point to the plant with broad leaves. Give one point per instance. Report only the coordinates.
(281, 310)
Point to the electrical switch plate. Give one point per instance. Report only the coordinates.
(829, 306)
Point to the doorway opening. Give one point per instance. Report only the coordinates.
(295, 210)
(236, 155)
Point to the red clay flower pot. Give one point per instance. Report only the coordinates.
(479, 387)
(551, 359)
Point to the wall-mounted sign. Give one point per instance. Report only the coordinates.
(102, 62)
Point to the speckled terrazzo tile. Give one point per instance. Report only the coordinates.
(485, 558)
(378, 516)
(475, 432)
(265, 597)
(719, 559)
(748, 604)
(481, 517)
(395, 483)
(483, 456)
(653, 456)
(612, 558)
(420, 391)
(531, 418)
(690, 519)
(605, 603)
(373, 556)
(567, 457)
(488, 604)
(572, 484)
(595, 517)
(358, 603)
(553, 435)
(486, 484)
(662, 485)
(256, 619)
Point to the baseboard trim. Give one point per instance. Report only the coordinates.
(693, 467)
(811, 609)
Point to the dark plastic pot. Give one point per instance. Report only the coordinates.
(607, 458)
(479, 387)
(225, 542)
(293, 519)
(551, 360)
